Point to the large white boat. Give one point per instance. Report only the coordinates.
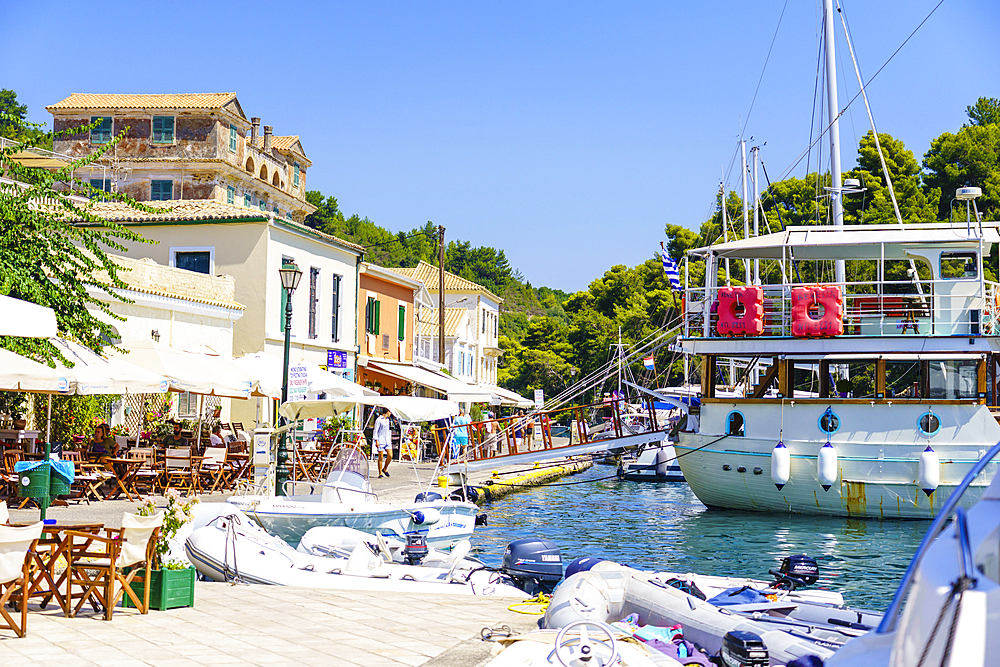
(916, 359)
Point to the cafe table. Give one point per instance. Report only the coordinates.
(43, 562)
(125, 472)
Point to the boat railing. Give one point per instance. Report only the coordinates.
(487, 438)
(291, 488)
(947, 307)
(941, 520)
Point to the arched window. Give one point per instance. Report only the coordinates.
(734, 423)
(276, 182)
(249, 165)
(263, 172)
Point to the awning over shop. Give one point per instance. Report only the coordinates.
(509, 398)
(456, 390)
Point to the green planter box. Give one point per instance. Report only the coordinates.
(167, 589)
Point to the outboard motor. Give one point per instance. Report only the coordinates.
(416, 548)
(534, 564)
(796, 571)
(427, 497)
(743, 649)
(581, 564)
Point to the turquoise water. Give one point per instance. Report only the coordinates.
(663, 526)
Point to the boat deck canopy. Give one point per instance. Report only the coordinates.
(854, 241)
(852, 347)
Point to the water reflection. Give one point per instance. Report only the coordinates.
(664, 526)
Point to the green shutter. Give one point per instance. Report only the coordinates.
(246, 201)
(378, 317)
(402, 323)
(163, 129)
(232, 138)
(161, 190)
(370, 315)
(296, 177)
(102, 133)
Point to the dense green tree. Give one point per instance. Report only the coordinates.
(986, 111)
(14, 124)
(54, 254)
(969, 157)
(916, 203)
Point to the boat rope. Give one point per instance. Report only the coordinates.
(535, 606)
(961, 585)
(231, 576)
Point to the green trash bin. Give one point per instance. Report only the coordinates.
(59, 482)
(33, 482)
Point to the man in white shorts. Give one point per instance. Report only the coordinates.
(382, 437)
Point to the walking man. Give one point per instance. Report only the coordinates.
(460, 434)
(383, 442)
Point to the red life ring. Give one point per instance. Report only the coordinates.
(831, 323)
(748, 323)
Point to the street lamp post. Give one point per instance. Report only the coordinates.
(290, 276)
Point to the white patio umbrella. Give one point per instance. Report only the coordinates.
(267, 371)
(23, 318)
(96, 374)
(19, 373)
(194, 372)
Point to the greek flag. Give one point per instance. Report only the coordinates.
(670, 268)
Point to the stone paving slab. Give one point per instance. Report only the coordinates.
(266, 625)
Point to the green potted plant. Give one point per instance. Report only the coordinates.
(171, 583)
(844, 387)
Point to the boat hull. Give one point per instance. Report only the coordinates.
(290, 518)
(877, 461)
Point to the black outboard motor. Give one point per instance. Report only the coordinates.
(535, 565)
(743, 649)
(796, 571)
(416, 548)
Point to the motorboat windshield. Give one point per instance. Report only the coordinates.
(349, 467)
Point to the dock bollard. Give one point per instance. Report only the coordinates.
(443, 482)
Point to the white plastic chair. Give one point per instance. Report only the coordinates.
(14, 546)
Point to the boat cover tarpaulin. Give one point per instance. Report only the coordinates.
(406, 408)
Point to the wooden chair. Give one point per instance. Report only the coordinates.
(180, 468)
(214, 469)
(105, 567)
(16, 544)
(149, 473)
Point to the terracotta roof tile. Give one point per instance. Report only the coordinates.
(428, 275)
(281, 143)
(202, 209)
(428, 324)
(134, 101)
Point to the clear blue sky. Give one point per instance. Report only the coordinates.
(567, 134)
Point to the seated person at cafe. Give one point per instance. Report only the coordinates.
(175, 439)
(216, 436)
(103, 446)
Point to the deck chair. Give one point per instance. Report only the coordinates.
(213, 469)
(104, 568)
(15, 545)
(179, 468)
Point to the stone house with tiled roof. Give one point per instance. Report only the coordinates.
(213, 238)
(473, 353)
(197, 146)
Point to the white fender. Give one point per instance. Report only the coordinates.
(662, 462)
(781, 465)
(426, 517)
(929, 471)
(826, 463)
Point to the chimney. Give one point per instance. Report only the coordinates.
(254, 130)
(267, 138)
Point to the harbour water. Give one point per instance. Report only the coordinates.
(663, 526)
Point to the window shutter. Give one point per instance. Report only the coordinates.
(378, 316)
(401, 325)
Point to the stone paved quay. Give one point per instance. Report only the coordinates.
(270, 625)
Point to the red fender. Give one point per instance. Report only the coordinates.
(831, 323)
(748, 323)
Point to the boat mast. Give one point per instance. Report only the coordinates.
(746, 222)
(756, 207)
(725, 227)
(836, 203)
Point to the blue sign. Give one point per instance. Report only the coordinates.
(336, 359)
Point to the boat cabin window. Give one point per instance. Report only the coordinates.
(734, 424)
(929, 424)
(954, 379)
(959, 265)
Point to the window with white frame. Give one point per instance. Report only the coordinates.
(335, 294)
(313, 301)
